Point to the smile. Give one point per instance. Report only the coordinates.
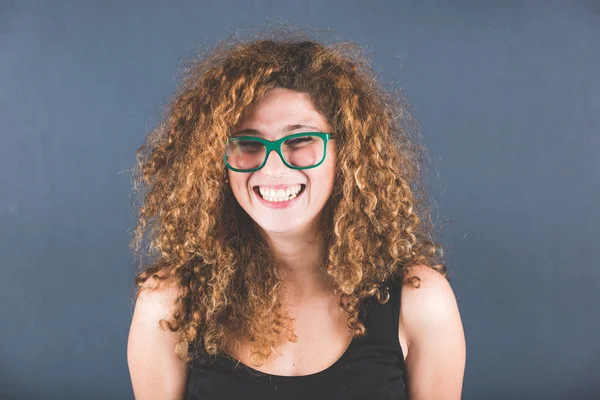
(279, 194)
(279, 198)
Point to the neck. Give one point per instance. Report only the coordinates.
(299, 256)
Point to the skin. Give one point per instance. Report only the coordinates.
(293, 232)
(430, 331)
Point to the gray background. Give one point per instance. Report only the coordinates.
(508, 97)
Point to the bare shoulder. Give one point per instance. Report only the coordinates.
(427, 304)
(155, 370)
(431, 325)
(157, 298)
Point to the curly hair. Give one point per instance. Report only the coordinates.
(202, 241)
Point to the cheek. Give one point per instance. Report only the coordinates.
(322, 180)
(237, 184)
(330, 161)
(329, 170)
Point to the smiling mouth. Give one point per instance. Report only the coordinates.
(302, 188)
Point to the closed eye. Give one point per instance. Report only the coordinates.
(299, 141)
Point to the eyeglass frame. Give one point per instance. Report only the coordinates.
(275, 145)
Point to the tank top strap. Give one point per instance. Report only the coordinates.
(395, 287)
(382, 320)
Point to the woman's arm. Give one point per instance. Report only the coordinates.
(436, 354)
(156, 373)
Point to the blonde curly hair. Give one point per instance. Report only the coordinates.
(201, 240)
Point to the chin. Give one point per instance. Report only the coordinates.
(275, 225)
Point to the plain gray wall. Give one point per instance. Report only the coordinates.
(508, 97)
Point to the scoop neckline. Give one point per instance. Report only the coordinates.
(238, 366)
(246, 369)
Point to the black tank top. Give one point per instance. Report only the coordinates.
(372, 367)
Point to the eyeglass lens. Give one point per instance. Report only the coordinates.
(302, 151)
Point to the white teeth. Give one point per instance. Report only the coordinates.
(279, 195)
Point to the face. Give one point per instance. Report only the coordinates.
(280, 113)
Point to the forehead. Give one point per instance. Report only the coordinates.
(282, 111)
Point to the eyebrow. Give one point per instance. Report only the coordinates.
(288, 128)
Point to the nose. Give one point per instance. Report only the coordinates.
(274, 165)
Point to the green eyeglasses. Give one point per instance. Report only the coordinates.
(297, 151)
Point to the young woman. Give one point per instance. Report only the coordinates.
(291, 254)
